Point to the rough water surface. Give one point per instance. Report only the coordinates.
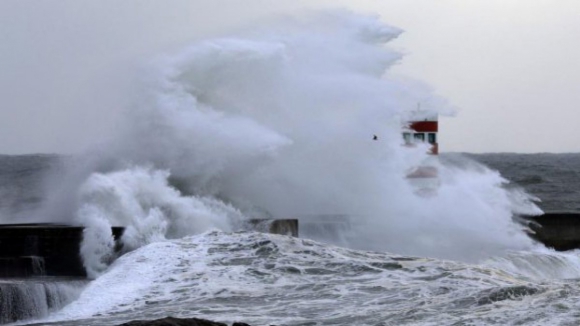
(266, 279)
(554, 178)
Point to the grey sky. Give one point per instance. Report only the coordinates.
(510, 66)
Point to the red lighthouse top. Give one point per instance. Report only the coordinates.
(423, 127)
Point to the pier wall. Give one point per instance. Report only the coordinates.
(28, 250)
(558, 230)
(42, 250)
(24, 299)
(279, 226)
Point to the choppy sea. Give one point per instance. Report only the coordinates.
(265, 279)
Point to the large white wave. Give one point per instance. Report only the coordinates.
(142, 200)
(278, 122)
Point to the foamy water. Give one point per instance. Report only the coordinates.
(267, 279)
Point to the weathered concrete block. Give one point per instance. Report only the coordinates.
(42, 249)
(558, 230)
(23, 266)
(24, 299)
(284, 227)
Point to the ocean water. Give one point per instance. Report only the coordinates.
(278, 122)
(553, 178)
(265, 279)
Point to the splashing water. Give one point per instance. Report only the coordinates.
(25, 298)
(278, 122)
(142, 200)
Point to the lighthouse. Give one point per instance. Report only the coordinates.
(422, 127)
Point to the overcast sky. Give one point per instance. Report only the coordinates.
(509, 66)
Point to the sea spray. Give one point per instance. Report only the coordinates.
(279, 122)
(141, 200)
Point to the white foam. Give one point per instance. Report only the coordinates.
(141, 200)
(541, 263)
(263, 278)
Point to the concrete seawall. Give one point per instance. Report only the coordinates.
(53, 250)
(558, 230)
(42, 250)
(33, 298)
(284, 227)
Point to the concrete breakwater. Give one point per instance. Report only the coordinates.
(558, 230)
(41, 269)
(22, 299)
(42, 250)
(283, 227)
(31, 250)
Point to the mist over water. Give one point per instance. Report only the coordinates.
(278, 122)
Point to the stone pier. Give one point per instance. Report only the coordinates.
(284, 227)
(558, 230)
(42, 250)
